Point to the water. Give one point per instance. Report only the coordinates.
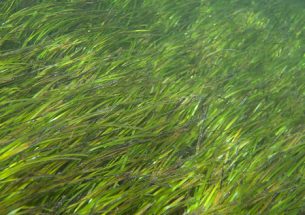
(152, 107)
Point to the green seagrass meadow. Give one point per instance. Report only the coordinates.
(152, 107)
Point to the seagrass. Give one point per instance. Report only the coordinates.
(152, 107)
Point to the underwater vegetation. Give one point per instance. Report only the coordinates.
(152, 107)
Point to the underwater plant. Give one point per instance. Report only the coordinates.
(152, 107)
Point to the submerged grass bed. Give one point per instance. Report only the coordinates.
(152, 107)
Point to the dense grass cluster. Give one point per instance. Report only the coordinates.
(152, 107)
